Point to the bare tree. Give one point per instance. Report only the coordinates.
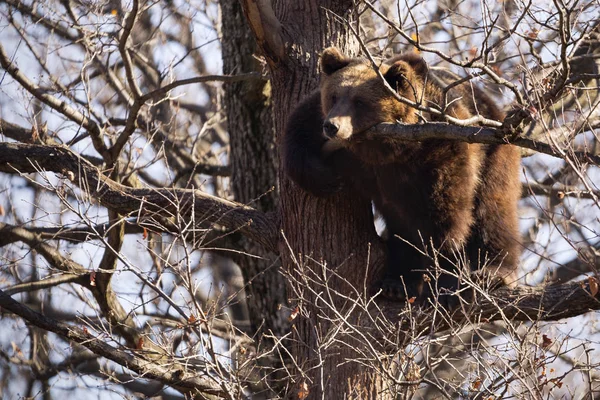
(152, 245)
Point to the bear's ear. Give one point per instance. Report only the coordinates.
(332, 60)
(416, 62)
(399, 74)
(405, 68)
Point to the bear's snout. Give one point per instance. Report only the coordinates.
(330, 129)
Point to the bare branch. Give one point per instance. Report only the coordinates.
(60, 106)
(200, 79)
(76, 234)
(129, 22)
(101, 289)
(550, 303)
(12, 234)
(469, 134)
(558, 192)
(203, 207)
(43, 284)
(178, 378)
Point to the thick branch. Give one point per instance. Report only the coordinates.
(550, 303)
(11, 234)
(587, 261)
(77, 234)
(177, 378)
(266, 28)
(190, 203)
(44, 283)
(158, 93)
(469, 134)
(16, 132)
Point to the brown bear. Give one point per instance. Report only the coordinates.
(457, 198)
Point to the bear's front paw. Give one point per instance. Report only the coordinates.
(324, 185)
(319, 179)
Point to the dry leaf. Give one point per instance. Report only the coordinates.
(93, 278)
(145, 234)
(593, 282)
(303, 391)
(34, 134)
(415, 38)
(294, 314)
(557, 382)
(546, 341)
(411, 300)
(16, 349)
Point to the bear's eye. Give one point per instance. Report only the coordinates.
(360, 103)
(333, 98)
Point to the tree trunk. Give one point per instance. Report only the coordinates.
(336, 230)
(254, 167)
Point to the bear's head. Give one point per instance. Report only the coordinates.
(354, 98)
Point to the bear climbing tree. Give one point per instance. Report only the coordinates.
(324, 238)
(434, 196)
(152, 244)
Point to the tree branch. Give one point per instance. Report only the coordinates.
(76, 234)
(17, 132)
(190, 203)
(266, 28)
(53, 102)
(178, 378)
(11, 234)
(200, 79)
(587, 261)
(469, 134)
(104, 295)
(44, 283)
(550, 303)
(558, 191)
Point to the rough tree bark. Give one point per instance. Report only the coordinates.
(254, 169)
(336, 230)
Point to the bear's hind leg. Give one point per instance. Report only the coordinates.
(403, 279)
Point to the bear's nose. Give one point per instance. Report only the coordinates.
(330, 129)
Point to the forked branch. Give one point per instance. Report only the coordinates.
(192, 204)
(178, 378)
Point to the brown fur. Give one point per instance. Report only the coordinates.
(448, 194)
